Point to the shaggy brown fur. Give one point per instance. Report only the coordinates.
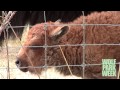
(74, 35)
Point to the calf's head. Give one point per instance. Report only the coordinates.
(32, 53)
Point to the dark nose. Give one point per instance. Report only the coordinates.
(22, 66)
(18, 63)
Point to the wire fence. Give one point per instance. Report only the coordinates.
(7, 25)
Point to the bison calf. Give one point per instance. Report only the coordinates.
(63, 34)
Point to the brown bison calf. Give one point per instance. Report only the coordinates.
(62, 34)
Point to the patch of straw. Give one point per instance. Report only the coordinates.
(65, 60)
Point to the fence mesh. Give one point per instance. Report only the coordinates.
(9, 51)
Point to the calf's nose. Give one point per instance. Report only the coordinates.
(22, 65)
(18, 63)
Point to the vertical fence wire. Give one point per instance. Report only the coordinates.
(83, 64)
(6, 44)
(45, 46)
(118, 76)
(8, 61)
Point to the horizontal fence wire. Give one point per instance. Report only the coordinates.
(71, 25)
(72, 45)
(57, 66)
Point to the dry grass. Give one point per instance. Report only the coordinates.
(15, 73)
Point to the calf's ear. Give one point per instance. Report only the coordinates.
(59, 32)
(58, 21)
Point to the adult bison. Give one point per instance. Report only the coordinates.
(64, 34)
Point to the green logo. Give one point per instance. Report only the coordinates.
(109, 67)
